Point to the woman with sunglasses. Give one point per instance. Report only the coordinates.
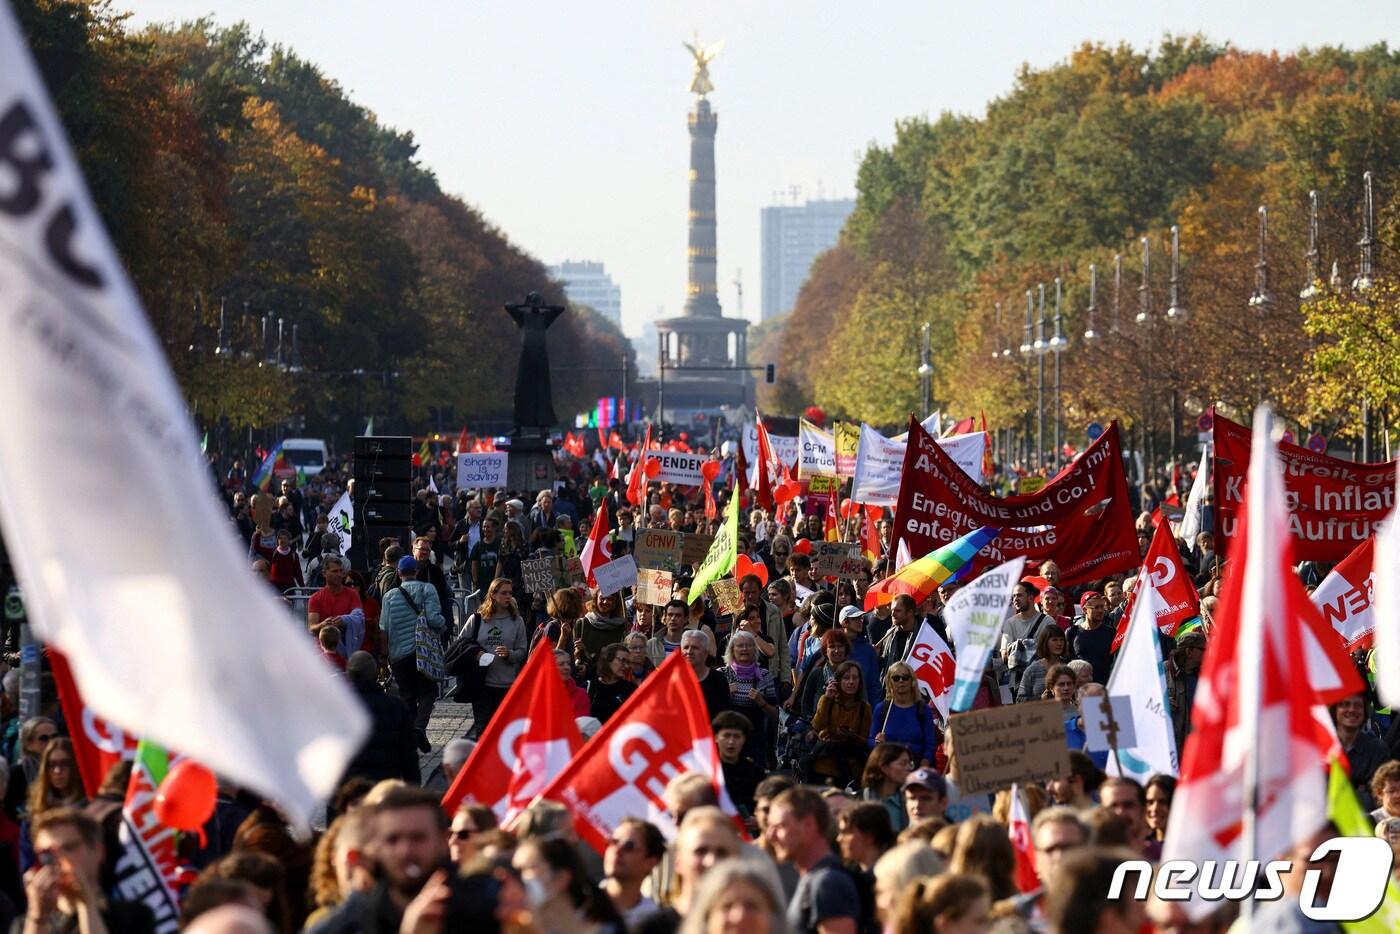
(58, 785)
(904, 718)
(470, 822)
(611, 688)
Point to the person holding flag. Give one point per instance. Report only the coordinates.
(905, 718)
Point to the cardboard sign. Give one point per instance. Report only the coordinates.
(823, 483)
(695, 547)
(541, 575)
(617, 574)
(1029, 485)
(653, 587)
(727, 596)
(1096, 727)
(573, 572)
(837, 559)
(479, 471)
(997, 746)
(679, 468)
(658, 548)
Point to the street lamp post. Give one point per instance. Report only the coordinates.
(1313, 255)
(1090, 335)
(925, 372)
(1362, 284)
(1028, 345)
(1262, 300)
(1058, 343)
(1040, 348)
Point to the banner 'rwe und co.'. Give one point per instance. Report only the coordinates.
(1333, 505)
(1082, 520)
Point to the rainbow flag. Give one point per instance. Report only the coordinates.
(275, 458)
(919, 579)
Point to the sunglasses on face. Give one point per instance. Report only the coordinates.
(626, 846)
(899, 679)
(45, 737)
(463, 833)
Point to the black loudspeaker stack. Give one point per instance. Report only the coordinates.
(383, 501)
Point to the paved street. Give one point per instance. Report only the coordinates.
(450, 720)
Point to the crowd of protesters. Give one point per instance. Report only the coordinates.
(836, 762)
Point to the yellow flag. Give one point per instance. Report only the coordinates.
(1345, 811)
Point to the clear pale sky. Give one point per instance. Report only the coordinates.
(564, 121)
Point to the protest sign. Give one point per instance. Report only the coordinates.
(694, 547)
(823, 485)
(1029, 485)
(785, 447)
(816, 452)
(974, 616)
(541, 575)
(1096, 723)
(479, 471)
(679, 468)
(615, 574)
(573, 572)
(996, 746)
(657, 548)
(847, 442)
(653, 587)
(837, 559)
(1333, 505)
(1083, 519)
(727, 596)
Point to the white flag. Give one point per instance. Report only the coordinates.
(974, 616)
(1139, 674)
(1196, 502)
(432, 485)
(342, 521)
(169, 634)
(933, 665)
(1387, 611)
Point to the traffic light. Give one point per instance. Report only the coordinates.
(770, 374)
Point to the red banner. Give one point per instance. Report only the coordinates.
(660, 732)
(1082, 519)
(531, 737)
(97, 744)
(1333, 505)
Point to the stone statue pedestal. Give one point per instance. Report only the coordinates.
(531, 466)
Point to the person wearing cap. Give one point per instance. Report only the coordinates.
(925, 795)
(399, 619)
(515, 514)
(852, 620)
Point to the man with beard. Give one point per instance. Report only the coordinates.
(410, 843)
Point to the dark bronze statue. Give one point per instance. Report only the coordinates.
(534, 400)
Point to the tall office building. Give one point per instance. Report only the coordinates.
(793, 236)
(587, 283)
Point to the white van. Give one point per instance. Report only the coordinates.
(309, 455)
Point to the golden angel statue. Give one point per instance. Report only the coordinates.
(700, 84)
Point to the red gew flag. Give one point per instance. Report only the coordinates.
(1346, 596)
(636, 480)
(531, 737)
(1180, 601)
(1257, 696)
(770, 470)
(596, 550)
(97, 744)
(662, 731)
(1019, 830)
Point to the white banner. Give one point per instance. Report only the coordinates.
(234, 684)
(816, 452)
(784, 446)
(679, 468)
(974, 616)
(481, 471)
(880, 463)
(342, 521)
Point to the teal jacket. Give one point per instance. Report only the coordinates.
(400, 621)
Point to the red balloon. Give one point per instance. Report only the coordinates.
(848, 508)
(653, 467)
(743, 567)
(710, 470)
(815, 415)
(803, 546)
(185, 799)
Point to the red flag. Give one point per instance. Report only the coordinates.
(1255, 697)
(596, 550)
(97, 744)
(660, 732)
(531, 737)
(770, 470)
(870, 545)
(602, 438)
(988, 466)
(615, 440)
(1019, 830)
(1180, 601)
(636, 480)
(463, 445)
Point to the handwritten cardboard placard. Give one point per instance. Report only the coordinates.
(658, 548)
(541, 575)
(695, 547)
(727, 596)
(480, 471)
(836, 559)
(997, 746)
(615, 575)
(653, 587)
